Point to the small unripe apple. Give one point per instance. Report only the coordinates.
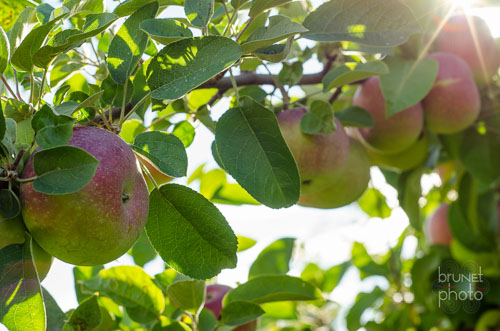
(320, 158)
(469, 37)
(453, 104)
(100, 222)
(159, 177)
(389, 135)
(437, 227)
(348, 187)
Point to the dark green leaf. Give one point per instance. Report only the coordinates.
(166, 151)
(4, 51)
(267, 169)
(51, 130)
(369, 22)
(86, 317)
(165, 30)
(275, 53)
(9, 204)
(3, 125)
(355, 116)
(129, 44)
(181, 219)
(185, 64)
(346, 74)
(199, 12)
(207, 320)
(240, 312)
(319, 119)
(63, 170)
(274, 259)
(142, 252)
(260, 6)
(43, 12)
(189, 295)
(55, 316)
(289, 75)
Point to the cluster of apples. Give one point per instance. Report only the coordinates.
(335, 168)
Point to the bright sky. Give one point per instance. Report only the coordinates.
(327, 235)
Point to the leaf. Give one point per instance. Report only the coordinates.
(11, 10)
(128, 7)
(215, 187)
(51, 130)
(25, 22)
(63, 170)
(279, 28)
(142, 252)
(21, 301)
(189, 295)
(333, 276)
(275, 53)
(185, 132)
(409, 193)
(369, 22)
(10, 206)
(355, 116)
(240, 312)
(166, 151)
(199, 12)
(207, 320)
(4, 51)
(319, 119)
(3, 124)
(260, 6)
(129, 44)
(273, 288)
(245, 243)
(363, 302)
(347, 74)
(8, 140)
(407, 83)
(84, 6)
(289, 75)
(165, 30)
(274, 259)
(44, 12)
(86, 317)
(55, 316)
(189, 232)
(266, 169)
(186, 64)
(374, 204)
(132, 288)
(81, 274)
(365, 264)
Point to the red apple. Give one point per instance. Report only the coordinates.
(437, 227)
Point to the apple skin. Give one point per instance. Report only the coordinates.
(102, 221)
(159, 177)
(320, 158)
(457, 37)
(408, 159)
(437, 229)
(214, 295)
(389, 135)
(350, 185)
(453, 103)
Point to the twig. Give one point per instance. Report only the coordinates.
(244, 28)
(335, 95)
(8, 86)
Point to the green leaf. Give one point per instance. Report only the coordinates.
(215, 187)
(207, 320)
(199, 12)
(86, 317)
(407, 83)
(279, 28)
(353, 72)
(11, 10)
(132, 288)
(266, 169)
(142, 252)
(165, 150)
(374, 204)
(240, 312)
(80, 275)
(63, 170)
(128, 7)
(185, 132)
(289, 75)
(364, 262)
(333, 276)
(273, 288)
(84, 6)
(319, 119)
(260, 6)
(129, 44)
(4, 51)
(24, 24)
(185, 64)
(409, 193)
(165, 30)
(66, 39)
(245, 243)
(356, 117)
(55, 316)
(44, 12)
(21, 301)
(3, 124)
(8, 140)
(274, 259)
(370, 22)
(363, 302)
(9, 204)
(275, 53)
(189, 295)
(189, 232)
(51, 130)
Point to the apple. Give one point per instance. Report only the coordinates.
(350, 185)
(408, 159)
(320, 158)
(437, 227)
(389, 135)
(471, 39)
(214, 295)
(159, 177)
(453, 103)
(446, 170)
(102, 221)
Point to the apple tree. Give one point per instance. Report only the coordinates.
(100, 100)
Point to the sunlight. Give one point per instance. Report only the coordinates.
(465, 4)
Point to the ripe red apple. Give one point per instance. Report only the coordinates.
(320, 158)
(437, 227)
(350, 185)
(103, 220)
(213, 302)
(389, 135)
(471, 39)
(453, 103)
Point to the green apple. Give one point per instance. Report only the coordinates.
(320, 158)
(469, 37)
(453, 104)
(102, 221)
(437, 228)
(350, 185)
(389, 135)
